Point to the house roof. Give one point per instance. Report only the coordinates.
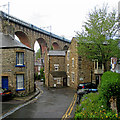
(7, 41)
(58, 74)
(56, 53)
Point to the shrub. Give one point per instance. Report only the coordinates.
(109, 86)
(96, 105)
(92, 106)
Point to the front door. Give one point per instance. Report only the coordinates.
(5, 82)
(97, 79)
(64, 82)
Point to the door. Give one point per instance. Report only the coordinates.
(64, 82)
(97, 80)
(5, 82)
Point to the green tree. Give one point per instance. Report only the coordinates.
(96, 39)
(38, 54)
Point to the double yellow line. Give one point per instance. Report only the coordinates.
(69, 110)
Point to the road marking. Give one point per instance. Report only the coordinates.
(12, 110)
(70, 109)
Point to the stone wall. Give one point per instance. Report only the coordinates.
(24, 33)
(9, 69)
(50, 61)
(81, 68)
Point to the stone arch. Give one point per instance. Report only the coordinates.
(55, 46)
(23, 38)
(65, 47)
(43, 45)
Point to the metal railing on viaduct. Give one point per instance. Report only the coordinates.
(5, 17)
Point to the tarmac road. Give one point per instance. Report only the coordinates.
(52, 103)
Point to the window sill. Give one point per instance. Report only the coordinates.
(20, 89)
(19, 65)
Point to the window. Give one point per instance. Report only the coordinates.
(79, 62)
(67, 68)
(56, 66)
(73, 77)
(20, 59)
(38, 68)
(72, 62)
(68, 55)
(58, 80)
(20, 82)
(98, 65)
(68, 81)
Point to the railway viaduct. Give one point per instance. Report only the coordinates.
(29, 34)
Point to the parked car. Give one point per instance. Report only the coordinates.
(88, 85)
(5, 94)
(42, 80)
(85, 88)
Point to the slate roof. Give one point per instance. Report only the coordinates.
(7, 41)
(56, 53)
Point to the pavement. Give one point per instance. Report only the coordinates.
(16, 101)
(29, 97)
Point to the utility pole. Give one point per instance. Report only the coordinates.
(50, 29)
(8, 10)
(50, 37)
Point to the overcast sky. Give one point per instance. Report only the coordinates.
(64, 16)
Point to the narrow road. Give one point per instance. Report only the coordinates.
(53, 103)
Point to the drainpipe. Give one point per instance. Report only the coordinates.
(48, 70)
(91, 74)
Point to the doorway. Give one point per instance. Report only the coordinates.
(5, 82)
(64, 82)
(97, 79)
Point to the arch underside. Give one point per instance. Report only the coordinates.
(23, 38)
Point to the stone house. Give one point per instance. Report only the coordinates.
(37, 66)
(71, 65)
(17, 66)
(78, 68)
(55, 74)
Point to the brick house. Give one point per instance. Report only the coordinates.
(55, 74)
(17, 66)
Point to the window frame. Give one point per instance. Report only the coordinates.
(73, 77)
(18, 64)
(68, 54)
(98, 65)
(56, 66)
(58, 79)
(19, 89)
(68, 68)
(73, 62)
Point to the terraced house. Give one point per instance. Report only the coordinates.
(55, 73)
(79, 69)
(17, 63)
(75, 68)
